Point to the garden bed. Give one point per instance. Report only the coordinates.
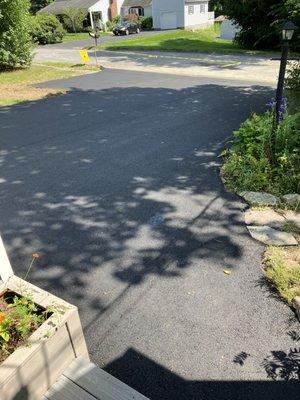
(19, 318)
(54, 340)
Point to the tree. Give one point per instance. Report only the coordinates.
(15, 40)
(261, 20)
(73, 18)
(37, 5)
(216, 6)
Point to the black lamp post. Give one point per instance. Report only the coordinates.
(288, 30)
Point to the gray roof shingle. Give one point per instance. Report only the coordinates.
(136, 3)
(58, 6)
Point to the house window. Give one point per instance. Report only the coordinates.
(191, 10)
(137, 11)
(202, 8)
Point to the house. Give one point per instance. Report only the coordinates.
(97, 10)
(171, 14)
(143, 8)
(167, 14)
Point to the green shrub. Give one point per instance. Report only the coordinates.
(73, 19)
(146, 23)
(131, 18)
(292, 80)
(15, 40)
(46, 29)
(110, 25)
(292, 90)
(247, 165)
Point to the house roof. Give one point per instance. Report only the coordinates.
(136, 3)
(196, 1)
(58, 6)
(220, 18)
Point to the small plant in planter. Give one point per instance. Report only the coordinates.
(40, 335)
(19, 318)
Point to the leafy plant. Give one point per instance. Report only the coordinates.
(292, 86)
(73, 18)
(146, 23)
(283, 271)
(46, 29)
(15, 40)
(292, 80)
(131, 17)
(19, 317)
(110, 25)
(247, 164)
(36, 5)
(261, 21)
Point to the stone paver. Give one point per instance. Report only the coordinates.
(259, 198)
(271, 237)
(291, 216)
(267, 217)
(292, 199)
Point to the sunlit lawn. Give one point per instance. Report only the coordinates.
(71, 37)
(202, 40)
(18, 86)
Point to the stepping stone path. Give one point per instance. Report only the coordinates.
(267, 217)
(272, 237)
(260, 198)
(292, 199)
(292, 216)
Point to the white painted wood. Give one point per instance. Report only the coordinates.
(99, 383)
(168, 20)
(65, 389)
(6, 270)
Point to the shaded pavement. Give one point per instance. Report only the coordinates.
(116, 183)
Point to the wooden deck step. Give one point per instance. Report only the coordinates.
(83, 380)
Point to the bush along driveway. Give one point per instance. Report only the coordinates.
(262, 166)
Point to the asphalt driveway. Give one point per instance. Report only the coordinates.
(116, 184)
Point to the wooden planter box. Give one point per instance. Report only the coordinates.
(31, 370)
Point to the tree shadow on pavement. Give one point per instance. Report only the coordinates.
(119, 189)
(159, 383)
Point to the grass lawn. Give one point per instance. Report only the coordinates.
(202, 40)
(283, 270)
(16, 86)
(71, 37)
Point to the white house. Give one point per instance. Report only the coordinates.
(171, 14)
(98, 10)
(167, 14)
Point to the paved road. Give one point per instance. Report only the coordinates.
(116, 184)
(246, 69)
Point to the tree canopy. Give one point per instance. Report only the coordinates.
(36, 5)
(261, 20)
(15, 40)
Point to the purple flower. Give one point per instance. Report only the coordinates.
(271, 103)
(283, 105)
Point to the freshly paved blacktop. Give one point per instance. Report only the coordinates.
(116, 184)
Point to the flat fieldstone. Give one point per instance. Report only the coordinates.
(260, 198)
(292, 216)
(292, 199)
(271, 236)
(264, 217)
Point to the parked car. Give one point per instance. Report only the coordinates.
(125, 28)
